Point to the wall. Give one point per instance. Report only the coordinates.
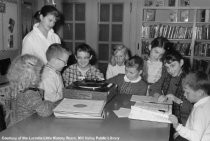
(200, 3)
(13, 53)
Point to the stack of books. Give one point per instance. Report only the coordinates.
(148, 109)
(80, 108)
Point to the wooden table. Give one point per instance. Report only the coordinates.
(110, 128)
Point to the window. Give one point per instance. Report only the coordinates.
(110, 30)
(74, 24)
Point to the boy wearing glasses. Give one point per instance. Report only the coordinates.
(83, 68)
(51, 82)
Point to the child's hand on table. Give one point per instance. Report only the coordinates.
(100, 76)
(174, 120)
(173, 98)
(162, 98)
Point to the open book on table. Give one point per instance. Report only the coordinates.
(147, 108)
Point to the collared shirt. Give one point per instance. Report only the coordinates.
(72, 74)
(154, 71)
(125, 86)
(35, 43)
(132, 81)
(52, 84)
(114, 70)
(198, 124)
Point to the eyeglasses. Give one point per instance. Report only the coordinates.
(80, 58)
(65, 63)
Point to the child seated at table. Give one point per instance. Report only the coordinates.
(153, 65)
(82, 69)
(52, 82)
(197, 88)
(131, 82)
(117, 61)
(26, 99)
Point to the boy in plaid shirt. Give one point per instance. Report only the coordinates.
(82, 69)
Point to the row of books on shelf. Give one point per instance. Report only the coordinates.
(202, 49)
(203, 15)
(200, 65)
(158, 3)
(168, 31)
(203, 32)
(183, 48)
(181, 15)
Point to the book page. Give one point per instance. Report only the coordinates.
(148, 99)
(148, 115)
(153, 106)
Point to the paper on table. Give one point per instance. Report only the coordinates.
(122, 112)
(149, 99)
(137, 98)
(152, 106)
(145, 114)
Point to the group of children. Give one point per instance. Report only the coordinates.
(163, 71)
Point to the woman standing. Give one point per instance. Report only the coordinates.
(42, 36)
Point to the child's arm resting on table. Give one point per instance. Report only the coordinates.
(198, 127)
(42, 107)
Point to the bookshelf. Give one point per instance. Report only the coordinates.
(183, 22)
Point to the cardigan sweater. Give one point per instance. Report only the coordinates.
(29, 102)
(173, 85)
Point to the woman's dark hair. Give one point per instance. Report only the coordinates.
(47, 9)
(174, 55)
(162, 42)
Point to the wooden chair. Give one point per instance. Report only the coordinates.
(8, 102)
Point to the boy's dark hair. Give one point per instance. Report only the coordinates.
(197, 80)
(83, 47)
(86, 48)
(55, 51)
(135, 61)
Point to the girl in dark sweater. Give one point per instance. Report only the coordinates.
(131, 82)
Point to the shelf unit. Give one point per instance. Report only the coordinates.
(188, 26)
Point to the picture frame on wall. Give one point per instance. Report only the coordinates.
(150, 15)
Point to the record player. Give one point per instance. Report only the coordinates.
(90, 89)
